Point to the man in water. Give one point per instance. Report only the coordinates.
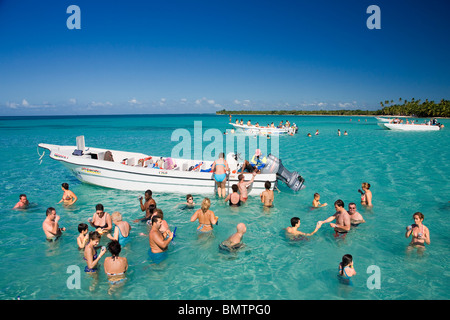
(243, 185)
(234, 242)
(148, 200)
(50, 225)
(23, 202)
(355, 217)
(342, 225)
(158, 246)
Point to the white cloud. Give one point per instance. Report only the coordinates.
(72, 101)
(99, 104)
(134, 101)
(25, 103)
(12, 105)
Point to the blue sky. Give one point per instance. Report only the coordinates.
(178, 56)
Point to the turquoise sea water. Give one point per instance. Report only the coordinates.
(408, 172)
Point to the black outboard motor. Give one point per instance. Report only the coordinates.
(292, 179)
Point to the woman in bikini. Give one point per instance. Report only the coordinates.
(220, 169)
(206, 217)
(366, 194)
(420, 233)
(115, 266)
(101, 220)
(90, 253)
(68, 197)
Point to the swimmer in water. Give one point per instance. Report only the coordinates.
(420, 233)
(342, 225)
(206, 217)
(355, 217)
(267, 195)
(234, 242)
(23, 202)
(234, 197)
(50, 225)
(69, 198)
(316, 203)
(83, 238)
(295, 224)
(90, 253)
(346, 270)
(366, 195)
(243, 185)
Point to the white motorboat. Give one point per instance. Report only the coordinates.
(139, 172)
(409, 127)
(254, 130)
(381, 119)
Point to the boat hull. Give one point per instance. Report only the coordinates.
(252, 130)
(409, 127)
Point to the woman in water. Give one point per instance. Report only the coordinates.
(90, 254)
(115, 266)
(68, 197)
(220, 169)
(234, 198)
(206, 217)
(121, 230)
(346, 270)
(420, 233)
(366, 194)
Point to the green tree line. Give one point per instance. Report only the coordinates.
(389, 108)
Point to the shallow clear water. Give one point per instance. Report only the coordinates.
(408, 172)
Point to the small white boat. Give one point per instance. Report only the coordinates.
(409, 127)
(381, 119)
(137, 171)
(253, 130)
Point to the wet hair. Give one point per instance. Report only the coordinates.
(221, 155)
(419, 214)
(156, 218)
(351, 203)
(114, 247)
(160, 213)
(49, 211)
(99, 207)
(189, 196)
(94, 235)
(22, 195)
(294, 221)
(151, 208)
(240, 177)
(235, 188)
(267, 184)
(206, 203)
(366, 185)
(339, 203)
(346, 260)
(82, 227)
(149, 192)
(65, 185)
(316, 194)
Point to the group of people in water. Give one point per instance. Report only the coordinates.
(160, 236)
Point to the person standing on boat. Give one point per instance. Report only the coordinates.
(148, 200)
(220, 169)
(68, 197)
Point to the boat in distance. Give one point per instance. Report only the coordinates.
(138, 172)
(409, 127)
(258, 130)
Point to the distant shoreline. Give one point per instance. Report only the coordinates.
(323, 115)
